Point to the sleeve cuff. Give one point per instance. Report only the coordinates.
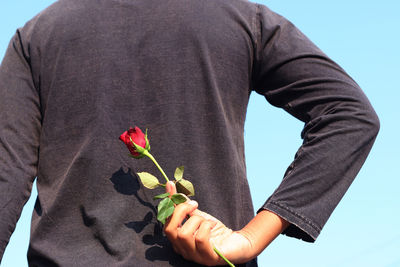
(300, 227)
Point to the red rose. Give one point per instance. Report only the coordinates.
(136, 141)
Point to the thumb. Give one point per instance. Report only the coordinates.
(170, 188)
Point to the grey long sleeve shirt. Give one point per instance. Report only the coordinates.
(82, 71)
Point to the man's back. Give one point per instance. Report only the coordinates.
(181, 69)
(81, 72)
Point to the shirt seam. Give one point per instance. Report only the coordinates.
(298, 215)
(257, 42)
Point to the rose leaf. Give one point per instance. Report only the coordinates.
(148, 180)
(178, 198)
(179, 173)
(165, 209)
(185, 187)
(161, 196)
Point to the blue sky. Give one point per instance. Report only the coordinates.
(363, 37)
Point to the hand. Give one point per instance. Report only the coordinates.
(195, 238)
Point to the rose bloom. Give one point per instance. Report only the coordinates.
(138, 137)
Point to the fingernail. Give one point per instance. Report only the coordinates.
(169, 187)
(193, 203)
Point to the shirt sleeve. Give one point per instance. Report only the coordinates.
(340, 124)
(20, 124)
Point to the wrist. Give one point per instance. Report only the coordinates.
(251, 251)
(261, 231)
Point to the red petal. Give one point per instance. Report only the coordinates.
(137, 136)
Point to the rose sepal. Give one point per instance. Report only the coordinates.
(147, 147)
(136, 157)
(139, 149)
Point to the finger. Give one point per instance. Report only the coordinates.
(186, 234)
(204, 215)
(175, 221)
(202, 240)
(170, 188)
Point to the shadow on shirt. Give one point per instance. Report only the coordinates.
(161, 249)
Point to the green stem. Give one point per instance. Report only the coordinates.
(147, 153)
(223, 257)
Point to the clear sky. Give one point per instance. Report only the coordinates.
(363, 36)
